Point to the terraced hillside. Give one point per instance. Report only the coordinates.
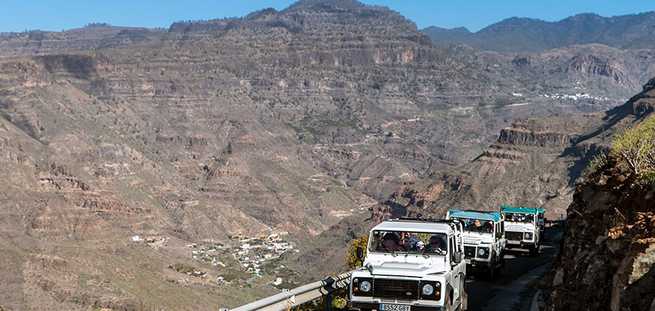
(123, 148)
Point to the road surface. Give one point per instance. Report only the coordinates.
(513, 290)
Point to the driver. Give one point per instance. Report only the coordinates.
(436, 244)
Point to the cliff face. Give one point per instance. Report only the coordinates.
(290, 120)
(607, 260)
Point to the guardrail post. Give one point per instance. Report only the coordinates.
(328, 285)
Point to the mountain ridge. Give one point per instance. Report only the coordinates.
(518, 34)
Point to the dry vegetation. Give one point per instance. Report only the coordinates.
(634, 150)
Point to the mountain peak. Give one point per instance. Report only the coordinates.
(324, 4)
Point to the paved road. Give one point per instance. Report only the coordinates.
(512, 290)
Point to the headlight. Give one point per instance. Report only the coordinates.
(430, 290)
(528, 235)
(483, 252)
(365, 286)
(427, 290)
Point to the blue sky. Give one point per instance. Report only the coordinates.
(19, 15)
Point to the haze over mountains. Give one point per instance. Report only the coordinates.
(308, 120)
(515, 34)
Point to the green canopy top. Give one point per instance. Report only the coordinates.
(505, 208)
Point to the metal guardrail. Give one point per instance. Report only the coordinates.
(298, 296)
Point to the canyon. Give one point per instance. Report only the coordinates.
(312, 122)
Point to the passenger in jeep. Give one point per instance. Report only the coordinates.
(477, 225)
(391, 242)
(517, 217)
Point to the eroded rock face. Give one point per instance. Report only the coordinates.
(292, 120)
(607, 259)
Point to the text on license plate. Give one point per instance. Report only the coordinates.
(389, 307)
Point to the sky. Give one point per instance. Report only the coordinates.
(20, 15)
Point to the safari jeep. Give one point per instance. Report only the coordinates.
(484, 240)
(522, 228)
(411, 264)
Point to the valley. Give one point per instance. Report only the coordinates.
(145, 168)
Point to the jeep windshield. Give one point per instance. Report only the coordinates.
(519, 217)
(476, 225)
(425, 243)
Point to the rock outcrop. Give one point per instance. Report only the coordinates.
(607, 258)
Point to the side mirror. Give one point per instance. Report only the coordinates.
(359, 253)
(457, 258)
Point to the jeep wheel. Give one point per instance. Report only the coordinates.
(534, 250)
(491, 272)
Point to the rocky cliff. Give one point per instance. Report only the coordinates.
(294, 121)
(607, 259)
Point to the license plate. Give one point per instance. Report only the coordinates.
(390, 307)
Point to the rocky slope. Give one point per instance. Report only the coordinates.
(607, 258)
(533, 35)
(293, 121)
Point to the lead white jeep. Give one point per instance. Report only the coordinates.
(411, 264)
(484, 240)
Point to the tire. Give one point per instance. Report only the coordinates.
(491, 272)
(534, 250)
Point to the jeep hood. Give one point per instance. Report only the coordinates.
(474, 238)
(405, 265)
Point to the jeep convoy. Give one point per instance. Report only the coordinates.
(411, 264)
(421, 264)
(484, 240)
(523, 227)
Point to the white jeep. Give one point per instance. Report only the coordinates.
(411, 264)
(522, 228)
(484, 240)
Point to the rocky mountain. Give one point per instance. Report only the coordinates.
(534, 162)
(91, 37)
(138, 161)
(532, 35)
(609, 243)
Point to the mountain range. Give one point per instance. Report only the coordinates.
(515, 34)
(133, 159)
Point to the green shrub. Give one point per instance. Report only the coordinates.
(351, 257)
(595, 164)
(635, 149)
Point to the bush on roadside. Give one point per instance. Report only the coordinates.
(634, 149)
(351, 257)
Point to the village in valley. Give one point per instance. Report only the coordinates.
(241, 260)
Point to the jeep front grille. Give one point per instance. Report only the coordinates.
(396, 289)
(514, 236)
(469, 251)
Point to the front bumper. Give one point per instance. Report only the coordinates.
(473, 263)
(376, 306)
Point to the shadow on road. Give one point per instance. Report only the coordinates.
(515, 284)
